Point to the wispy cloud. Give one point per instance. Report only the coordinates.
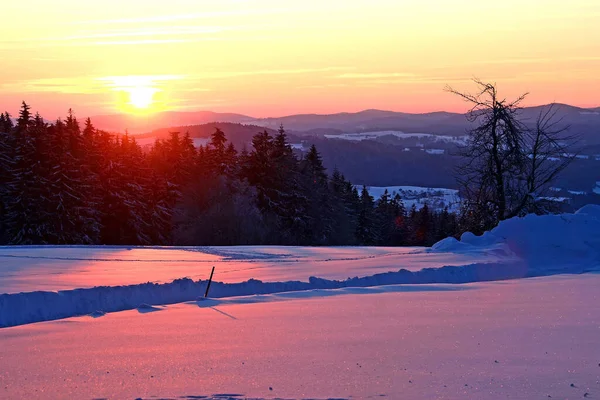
(90, 85)
(292, 71)
(168, 31)
(128, 81)
(374, 79)
(183, 17)
(376, 75)
(140, 42)
(328, 85)
(185, 83)
(76, 85)
(542, 60)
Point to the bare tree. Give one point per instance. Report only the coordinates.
(509, 164)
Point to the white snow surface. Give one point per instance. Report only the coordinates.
(50, 268)
(521, 339)
(399, 134)
(435, 198)
(517, 248)
(546, 244)
(435, 151)
(428, 333)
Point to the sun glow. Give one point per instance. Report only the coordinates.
(140, 94)
(141, 97)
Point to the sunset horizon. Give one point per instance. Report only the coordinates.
(266, 60)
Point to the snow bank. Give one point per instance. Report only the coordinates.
(24, 308)
(545, 244)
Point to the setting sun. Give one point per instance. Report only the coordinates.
(139, 94)
(141, 97)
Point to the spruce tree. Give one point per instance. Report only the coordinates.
(366, 231)
(6, 159)
(343, 210)
(26, 189)
(318, 212)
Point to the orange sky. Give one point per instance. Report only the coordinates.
(269, 58)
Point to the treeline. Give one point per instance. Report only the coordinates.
(63, 183)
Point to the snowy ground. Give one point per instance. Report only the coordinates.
(26, 269)
(520, 339)
(417, 333)
(402, 135)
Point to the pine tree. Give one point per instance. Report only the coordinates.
(285, 189)
(160, 212)
(390, 217)
(6, 160)
(344, 206)
(318, 212)
(77, 218)
(136, 212)
(399, 230)
(230, 162)
(8, 124)
(259, 167)
(26, 190)
(3, 128)
(423, 224)
(188, 155)
(366, 231)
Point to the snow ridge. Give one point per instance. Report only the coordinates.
(25, 308)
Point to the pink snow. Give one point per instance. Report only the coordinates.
(520, 339)
(26, 269)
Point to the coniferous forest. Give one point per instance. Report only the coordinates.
(68, 183)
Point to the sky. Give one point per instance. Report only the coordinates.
(271, 58)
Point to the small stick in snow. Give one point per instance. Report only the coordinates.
(209, 281)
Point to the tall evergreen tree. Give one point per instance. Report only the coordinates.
(318, 212)
(366, 231)
(344, 203)
(26, 189)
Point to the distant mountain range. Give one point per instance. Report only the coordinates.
(139, 124)
(585, 121)
(374, 147)
(239, 134)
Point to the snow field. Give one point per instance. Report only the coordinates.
(520, 247)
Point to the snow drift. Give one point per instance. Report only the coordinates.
(546, 244)
(533, 246)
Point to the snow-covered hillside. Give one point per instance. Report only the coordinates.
(399, 134)
(436, 198)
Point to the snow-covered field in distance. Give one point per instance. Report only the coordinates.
(436, 198)
(399, 134)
